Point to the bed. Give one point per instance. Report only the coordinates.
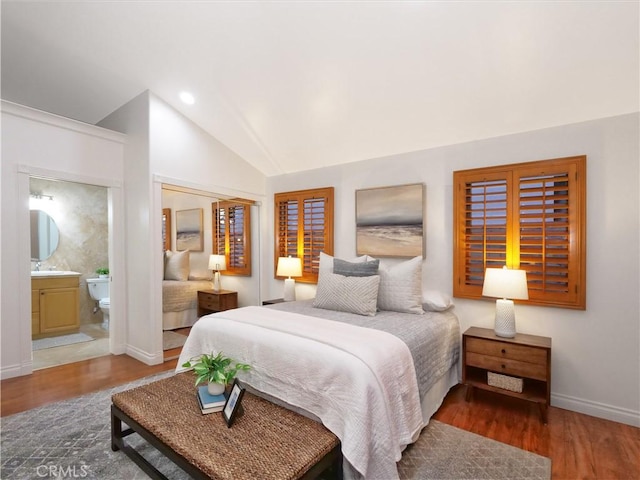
(180, 302)
(373, 379)
(180, 291)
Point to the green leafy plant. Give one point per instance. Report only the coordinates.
(214, 368)
(102, 271)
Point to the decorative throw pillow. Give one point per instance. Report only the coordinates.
(176, 265)
(355, 269)
(347, 294)
(326, 262)
(435, 301)
(401, 287)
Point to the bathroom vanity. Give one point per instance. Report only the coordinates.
(55, 306)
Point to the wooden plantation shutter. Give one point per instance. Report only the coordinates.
(530, 216)
(304, 228)
(232, 235)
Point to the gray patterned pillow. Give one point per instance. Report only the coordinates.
(355, 269)
(347, 294)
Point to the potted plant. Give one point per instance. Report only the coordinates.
(102, 272)
(216, 370)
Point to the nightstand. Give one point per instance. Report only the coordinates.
(211, 301)
(273, 301)
(526, 357)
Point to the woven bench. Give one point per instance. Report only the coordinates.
(266, 442)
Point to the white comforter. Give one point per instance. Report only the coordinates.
(360, 382)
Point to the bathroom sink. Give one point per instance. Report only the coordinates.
(53, 273)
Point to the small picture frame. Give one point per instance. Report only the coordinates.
(232, 405)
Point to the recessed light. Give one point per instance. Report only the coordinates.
(187, 98)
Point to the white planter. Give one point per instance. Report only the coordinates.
(215, 388)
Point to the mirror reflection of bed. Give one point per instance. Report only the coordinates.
(186, 271)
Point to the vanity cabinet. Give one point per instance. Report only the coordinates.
(55, 305)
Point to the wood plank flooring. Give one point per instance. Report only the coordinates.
(580, 446)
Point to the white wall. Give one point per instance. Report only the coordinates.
(595, 353)
(183, 154)
(40, 144)
(164, 147)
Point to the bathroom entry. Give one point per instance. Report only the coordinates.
(77, 214)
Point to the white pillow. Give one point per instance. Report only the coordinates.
(347, 294)
(176, 266)
(401, 287)
(435, 301)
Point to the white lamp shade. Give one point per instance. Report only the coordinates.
(217, 262)
(505, 283)
(289, 267)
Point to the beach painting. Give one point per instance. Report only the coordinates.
(189, 230)
(390, 220)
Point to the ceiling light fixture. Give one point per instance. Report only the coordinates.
(187, 98)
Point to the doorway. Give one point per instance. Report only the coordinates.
(64, 261)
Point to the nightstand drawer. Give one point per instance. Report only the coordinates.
(506, 366)
(210, 302)
(522, 353)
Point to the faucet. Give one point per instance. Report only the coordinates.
(38, 264)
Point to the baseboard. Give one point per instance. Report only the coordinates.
(17, 370)
(595, 409)
(144, 357)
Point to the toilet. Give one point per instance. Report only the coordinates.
(99, 291)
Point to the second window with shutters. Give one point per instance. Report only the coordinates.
(304, 228)
(530, 216)
(232, 235)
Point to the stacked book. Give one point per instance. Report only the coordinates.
(210, 403)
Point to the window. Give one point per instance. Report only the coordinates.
(530, 216)
(304, 228)
(232, 235)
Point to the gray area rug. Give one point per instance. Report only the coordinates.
(172, 340)
(60, 341)
(71, 439)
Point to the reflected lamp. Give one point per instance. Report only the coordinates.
(289, 267)
(506, 285)
(217, 263)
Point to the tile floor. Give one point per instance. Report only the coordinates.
(50, 357)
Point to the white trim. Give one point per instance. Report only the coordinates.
(58, 121)
(16, 370)
(144, 357)
(210, 188)
(68, 176)
(596, 409)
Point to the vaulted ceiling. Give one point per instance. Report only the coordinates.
(296, 85)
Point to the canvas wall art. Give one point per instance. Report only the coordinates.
(189, 235)
(390, 221)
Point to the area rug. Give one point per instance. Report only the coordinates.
(60, 341)
(172, 340)
(72, 438)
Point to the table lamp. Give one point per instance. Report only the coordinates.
(217, 263)
(507, 285)
(289, 267)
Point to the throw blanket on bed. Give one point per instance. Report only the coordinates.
(181, 295)
(360, 382)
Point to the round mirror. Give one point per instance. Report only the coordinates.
(44, 235)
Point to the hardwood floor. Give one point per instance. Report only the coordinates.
(580, 446)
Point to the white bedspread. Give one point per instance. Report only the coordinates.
(360, 382)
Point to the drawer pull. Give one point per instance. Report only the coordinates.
(503, 351)
(504, 366)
